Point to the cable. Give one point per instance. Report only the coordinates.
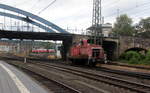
(22, 3)
(47, 6)
(111, 3)
(35, 4)
(137, 13)
(129, 9)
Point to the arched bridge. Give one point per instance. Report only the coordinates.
(25, 27)
(134, 43)
(30, 18)
(116, 47)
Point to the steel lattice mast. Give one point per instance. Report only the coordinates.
(97, 21)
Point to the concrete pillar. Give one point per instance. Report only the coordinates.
(65, 48)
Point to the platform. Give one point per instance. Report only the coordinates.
(14, 81)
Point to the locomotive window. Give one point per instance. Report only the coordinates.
(96, 52)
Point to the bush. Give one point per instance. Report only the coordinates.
(131, 55)
(147, 58)
(134, 60)
(142, 56)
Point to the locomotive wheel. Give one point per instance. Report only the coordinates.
(91, 63)
(73, 61)
(78, 62)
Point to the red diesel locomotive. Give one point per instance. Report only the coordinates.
(85, 53)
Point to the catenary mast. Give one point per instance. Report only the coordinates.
(96, 29)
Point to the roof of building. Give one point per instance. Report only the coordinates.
(94, 27)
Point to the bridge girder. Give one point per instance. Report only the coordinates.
(27, 20)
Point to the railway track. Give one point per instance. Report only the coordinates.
(132, 66)
(52, 84)
(47, 60)
(121, 83)
(109, 70)
(127, 73)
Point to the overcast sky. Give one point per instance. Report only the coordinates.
(78, 13)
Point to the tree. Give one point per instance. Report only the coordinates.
(143, 28)
(144, 25)
(123, 26)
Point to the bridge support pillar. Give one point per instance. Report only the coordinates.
(65, 48)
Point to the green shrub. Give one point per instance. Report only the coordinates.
(147, 58)
(132, 55)
(142, 56)
(133, 60)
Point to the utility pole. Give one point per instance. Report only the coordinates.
(118, 15)
(118, 48)
(97, 22)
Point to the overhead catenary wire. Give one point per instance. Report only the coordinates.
(129, 9)
(111, 3)
(136, 14)
(35, 4)
(141, 12)
(22, 3)
(47, 7)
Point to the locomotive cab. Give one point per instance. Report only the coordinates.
(99, 55)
